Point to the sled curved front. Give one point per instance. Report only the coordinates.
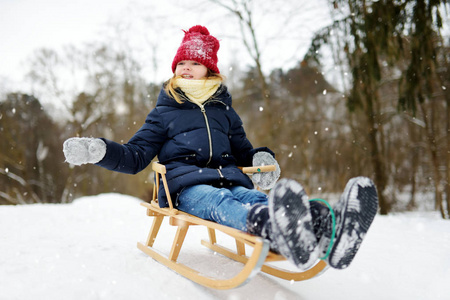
(261, 258)
(320, 267)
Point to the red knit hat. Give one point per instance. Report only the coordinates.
(198, 45)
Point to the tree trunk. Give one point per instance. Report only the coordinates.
(432, 149)
(376, 157)
(447, 187)
(414, 168)
(447, 155)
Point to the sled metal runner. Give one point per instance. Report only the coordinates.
(258, 260)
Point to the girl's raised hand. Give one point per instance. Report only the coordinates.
(80, 151)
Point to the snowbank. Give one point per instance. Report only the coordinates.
(87, 250)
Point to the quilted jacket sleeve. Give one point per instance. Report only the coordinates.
(137, 154)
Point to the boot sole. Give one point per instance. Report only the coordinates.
(292, 223)
(355, 219)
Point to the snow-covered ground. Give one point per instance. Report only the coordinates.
(87, 250)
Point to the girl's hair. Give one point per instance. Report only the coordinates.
(170, 90)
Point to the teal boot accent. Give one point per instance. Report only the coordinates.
(324, 224)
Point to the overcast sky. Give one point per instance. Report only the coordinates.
(28, 25)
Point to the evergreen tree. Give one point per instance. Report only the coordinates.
(395, 33)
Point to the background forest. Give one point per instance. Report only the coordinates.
(366, 94)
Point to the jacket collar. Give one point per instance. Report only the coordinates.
(221, 95)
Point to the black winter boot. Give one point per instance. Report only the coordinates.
(291, 223)
(322, 224)
(354, 214)
(258, 223)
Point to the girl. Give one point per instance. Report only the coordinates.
(200, 139)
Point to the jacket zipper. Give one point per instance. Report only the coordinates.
(202, 108)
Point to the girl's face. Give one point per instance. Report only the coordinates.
(190, 69)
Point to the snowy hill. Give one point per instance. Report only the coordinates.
(87, 250)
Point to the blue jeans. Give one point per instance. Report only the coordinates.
(226, 206)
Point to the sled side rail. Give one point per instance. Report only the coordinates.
(161, 170)
(185, 218)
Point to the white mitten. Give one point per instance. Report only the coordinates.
(80, 151)
(265, 180)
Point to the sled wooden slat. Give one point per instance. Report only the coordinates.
(157, 221)
(212, 235)
(240, 248)
(251, 170)
(178, 242)
(257, 261)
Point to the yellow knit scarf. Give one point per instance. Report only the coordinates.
(198, 91)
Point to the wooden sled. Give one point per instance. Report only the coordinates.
(257, 261)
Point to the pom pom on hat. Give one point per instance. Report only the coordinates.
(198, 45)
(198, 28)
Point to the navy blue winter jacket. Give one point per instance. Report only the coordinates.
(197, 145)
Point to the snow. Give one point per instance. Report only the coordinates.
(87, 250)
